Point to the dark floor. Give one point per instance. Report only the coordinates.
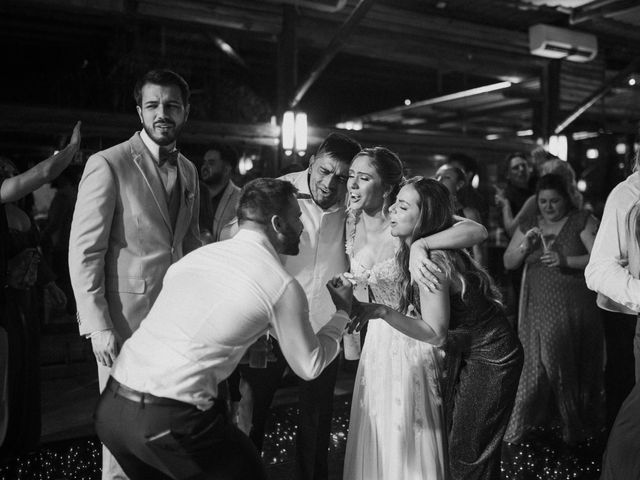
(69, 449)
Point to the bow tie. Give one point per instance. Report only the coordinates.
(170, 157)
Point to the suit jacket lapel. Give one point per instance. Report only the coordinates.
(222, 206)
(143, 161)
(187, 197)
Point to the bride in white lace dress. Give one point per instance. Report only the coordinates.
(396, 429)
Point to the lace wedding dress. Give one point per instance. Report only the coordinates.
(396, 429)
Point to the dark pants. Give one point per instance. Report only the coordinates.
(622, 458)
(316, 413)
(619, 375)
(174, 440)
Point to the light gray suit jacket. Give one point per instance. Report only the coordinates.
(122, 240)
(226, 210)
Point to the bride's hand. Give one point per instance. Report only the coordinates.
(422, 269)
(364, 313)
(341, 291)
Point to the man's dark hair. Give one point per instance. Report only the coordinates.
(469, 165)
(163, 77)
(339, 146)
(227, 153)
(262, 198)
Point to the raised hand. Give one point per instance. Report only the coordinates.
(500, 197)
(341, 291)
(63, 158)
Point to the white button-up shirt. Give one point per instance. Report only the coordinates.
(604, 272)
(168, 173)
(322, 250)
(214, 303)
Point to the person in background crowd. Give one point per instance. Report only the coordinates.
(136, 214)
(467, 195)
(454, 179)
(56, 232)
(218, 203)
(560, 325)
(21, 270)
(218, 194)
(518, 190)
(510, 201)
(555, 166)
(163, 415)
(21, 320)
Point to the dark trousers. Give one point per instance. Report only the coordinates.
(622, 457)
(316, 413)
(174, 440)
(620, 374)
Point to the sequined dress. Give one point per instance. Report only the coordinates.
(396, 427)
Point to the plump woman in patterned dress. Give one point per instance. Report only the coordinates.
(559, 323)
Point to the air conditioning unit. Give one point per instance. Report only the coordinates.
(555, 42)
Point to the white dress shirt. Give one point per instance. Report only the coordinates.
(168, 173)
(322, 250)
(605, 273)
(214, 304)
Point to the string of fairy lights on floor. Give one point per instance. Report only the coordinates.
(80, 459)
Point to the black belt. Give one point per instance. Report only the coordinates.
(140, 397)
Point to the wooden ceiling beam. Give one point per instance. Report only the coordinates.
(335, 45)
(487, 51)
(58, 121)
(601, 9)
(524, 105)
(597, 95)
(444, 56)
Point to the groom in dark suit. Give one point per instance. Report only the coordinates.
(136, 214)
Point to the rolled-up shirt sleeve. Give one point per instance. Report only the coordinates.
(606, 272)
(307, 353)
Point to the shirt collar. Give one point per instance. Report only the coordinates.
(153, 147)
(256, 237)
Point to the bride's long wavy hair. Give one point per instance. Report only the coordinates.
(436, 215)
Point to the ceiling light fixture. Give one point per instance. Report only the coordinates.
(558, 146)
(295, 132)
(524, 133)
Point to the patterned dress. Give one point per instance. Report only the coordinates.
(561, 332)
(396, 425)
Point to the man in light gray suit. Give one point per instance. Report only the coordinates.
(136, 214)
